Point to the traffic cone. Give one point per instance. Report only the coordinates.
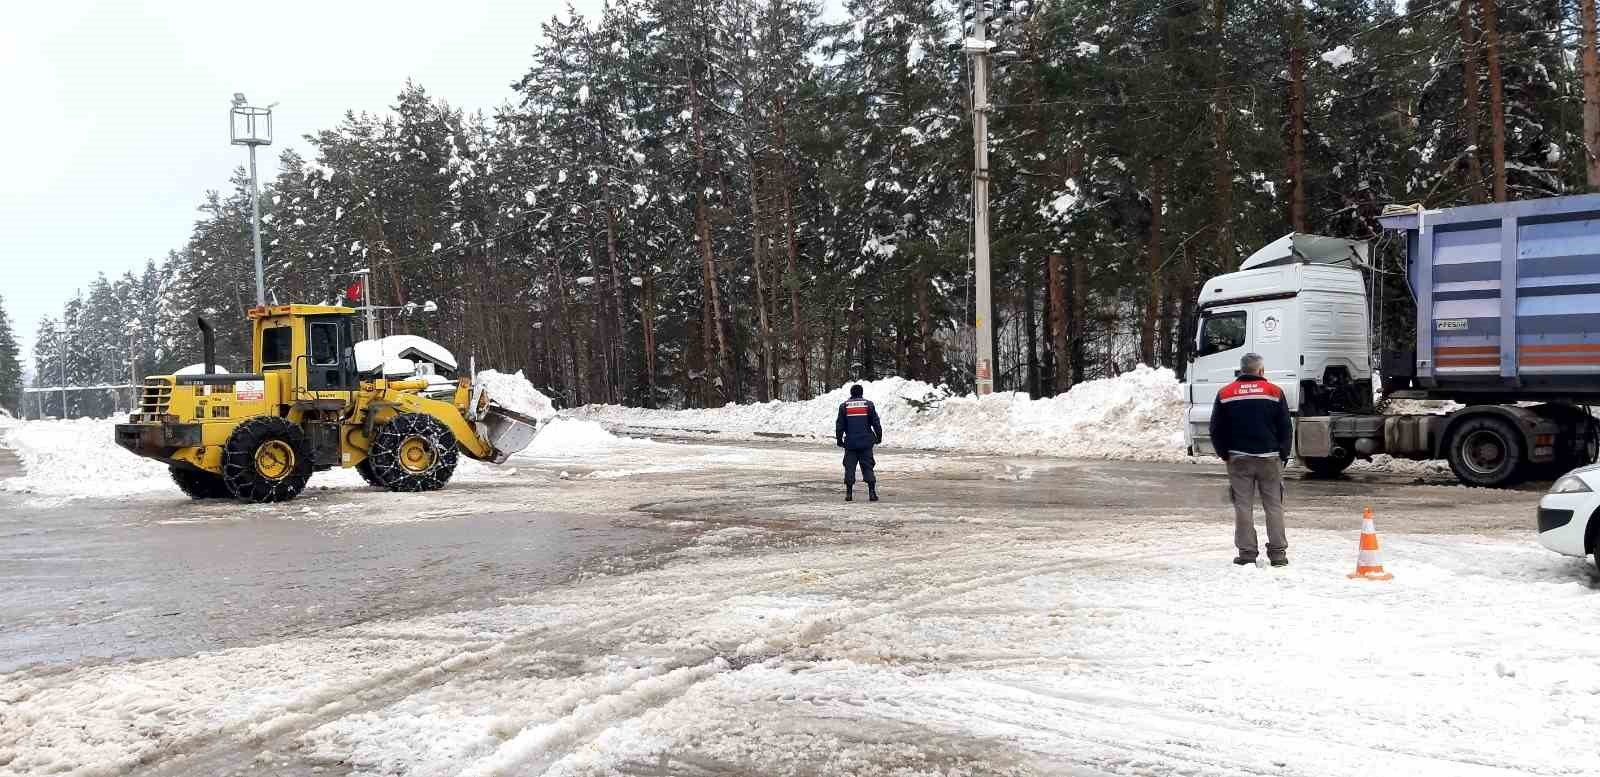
(1369, 564)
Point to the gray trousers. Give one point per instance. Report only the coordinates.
(1248, 476)
(863, 457)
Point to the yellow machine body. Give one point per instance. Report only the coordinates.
(302, 370)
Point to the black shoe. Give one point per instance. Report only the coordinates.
(1280, 561)
(1244, 561)
(849, 494)
(872, 494)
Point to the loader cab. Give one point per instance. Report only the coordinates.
(313, 343)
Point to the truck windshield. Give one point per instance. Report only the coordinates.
(1222, 332)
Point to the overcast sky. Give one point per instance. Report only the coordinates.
(116, 111)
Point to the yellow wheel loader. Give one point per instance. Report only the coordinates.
(303, 408)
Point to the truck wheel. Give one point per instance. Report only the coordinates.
(200, 485)
(266, 459)
(413, 452)
(1486, 452)
(1329, 466)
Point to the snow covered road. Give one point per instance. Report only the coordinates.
(993, 616)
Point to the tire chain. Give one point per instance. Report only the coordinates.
(384, 459)
(238, 461)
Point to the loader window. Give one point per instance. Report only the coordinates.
(325, 344)
(1222, 332)
(275, 346)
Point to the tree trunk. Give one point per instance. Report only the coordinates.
(647, 317)
(1147, 324)
(1222, 177)
(797, 332)
(619, 348)
(1031, 334)
(924, 364)
(1469, 102)
(1080, 306)
(1297, 122)
(1591, 96)
(710, 308)
(1497, 109)
(1058, 325)
(764, 392)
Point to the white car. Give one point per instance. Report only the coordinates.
(1569, 510)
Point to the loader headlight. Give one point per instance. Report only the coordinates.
(1571, 484)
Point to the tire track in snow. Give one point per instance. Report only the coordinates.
(528, 752)
(218, 747)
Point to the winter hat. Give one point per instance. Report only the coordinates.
(856, 390)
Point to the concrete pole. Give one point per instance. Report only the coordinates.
(255, 229)
(366, 303)
(64, 342)
(984, 321)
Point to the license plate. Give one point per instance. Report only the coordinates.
(1450, 325)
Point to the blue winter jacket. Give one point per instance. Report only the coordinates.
(858, 427)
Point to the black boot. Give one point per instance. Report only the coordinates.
(872, 492)
(849, 492)
(1243, 560)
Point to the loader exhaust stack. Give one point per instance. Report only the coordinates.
(208, 345)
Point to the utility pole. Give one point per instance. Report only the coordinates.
(251, 126)
(978, 47)
(62, 345)
(365, 274)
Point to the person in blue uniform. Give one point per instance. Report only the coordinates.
(856, 431)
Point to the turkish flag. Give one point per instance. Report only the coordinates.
(354, 292)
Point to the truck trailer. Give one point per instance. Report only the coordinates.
(1507, 300)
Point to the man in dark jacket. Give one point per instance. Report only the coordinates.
(1250, 430)
(856, 431)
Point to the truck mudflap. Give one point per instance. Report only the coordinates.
(157, 440)
(507, 431)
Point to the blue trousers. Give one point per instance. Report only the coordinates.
(863, 457)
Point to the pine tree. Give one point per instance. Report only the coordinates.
(10, 366)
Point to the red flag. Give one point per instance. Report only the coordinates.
(354, 292)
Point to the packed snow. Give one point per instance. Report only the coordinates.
(514, 392)
(1339, 56)
(1136, 416)
(1104, 648)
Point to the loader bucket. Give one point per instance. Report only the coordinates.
(507, 431)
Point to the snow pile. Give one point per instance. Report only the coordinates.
(78, 457)
(572, 436)
(1135, 416)
(200, 369)
(515, 393)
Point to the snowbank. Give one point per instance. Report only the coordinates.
(200, 369)
(1136, 416)
(516, 393)
(572, 436)
(78, 457)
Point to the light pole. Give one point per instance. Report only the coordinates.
(978, 47)
(252, 126)
(61, 347)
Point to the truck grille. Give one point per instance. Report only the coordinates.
(153, 401)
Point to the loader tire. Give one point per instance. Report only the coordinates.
(364, 469)
(200, 485)
(413, 452)
(266, 459)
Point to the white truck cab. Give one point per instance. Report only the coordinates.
(1300, 303)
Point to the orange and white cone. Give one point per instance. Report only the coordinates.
(1369, 563)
